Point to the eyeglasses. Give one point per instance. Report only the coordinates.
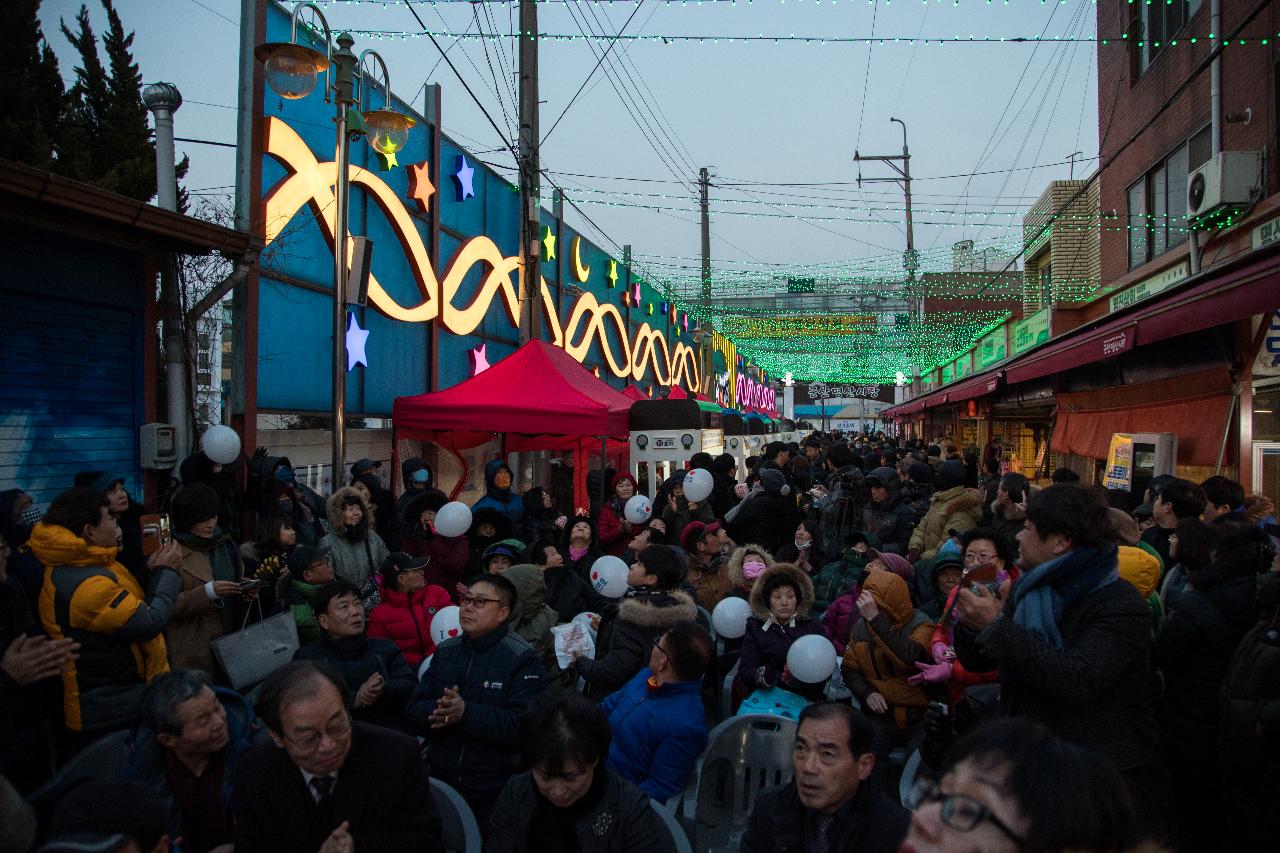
(657, 644)
(960, 812)
(310, 741)
(979, 556)
(476, 601)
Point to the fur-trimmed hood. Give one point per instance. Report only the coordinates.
(658, 610)
(959, 499)
(804, 588)
(1010, 514)
(334, 509)
(737, 558)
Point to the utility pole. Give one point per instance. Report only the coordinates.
(910, 258)
(530, 183)
(704, 185)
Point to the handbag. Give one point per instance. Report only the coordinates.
(255, 651)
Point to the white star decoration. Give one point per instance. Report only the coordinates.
(356, 338)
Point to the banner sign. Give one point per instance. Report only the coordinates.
(1030, 332)
(1119, 471)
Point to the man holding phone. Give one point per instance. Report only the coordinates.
(1072, 642)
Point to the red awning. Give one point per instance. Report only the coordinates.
(634, 393)
(1252, 287)
(1194, 407)
(979, 386)
(539, 390)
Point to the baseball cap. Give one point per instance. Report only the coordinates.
(364, 465)
(694, 531)
(399, 562)
(303, 556)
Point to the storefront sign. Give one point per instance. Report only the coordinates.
(1121, 341)
(1266, 233)
(1150, 286)
(992, 348)
(1119, 471)
(964, 365)
(1031, 331)
(1268, 361)
(948, 374)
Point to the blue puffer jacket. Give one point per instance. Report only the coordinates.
(146, 762)
(504, 501)
(500, 676)
(657, 734)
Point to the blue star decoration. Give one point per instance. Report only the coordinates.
(356, 338)
(463, 178)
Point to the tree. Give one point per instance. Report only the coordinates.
(31, 112)
(107, 139)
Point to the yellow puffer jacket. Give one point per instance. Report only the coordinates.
(89, 597)
(1139, 568)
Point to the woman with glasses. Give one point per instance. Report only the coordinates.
(988, 554)
(1012, 786)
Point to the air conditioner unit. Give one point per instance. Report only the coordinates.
(1223, 188)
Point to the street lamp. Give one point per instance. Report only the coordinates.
(292, 70)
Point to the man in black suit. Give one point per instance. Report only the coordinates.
(326, 784)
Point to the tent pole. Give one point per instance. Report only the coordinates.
(604, 463)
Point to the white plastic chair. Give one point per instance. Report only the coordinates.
(679, 841)
(460, 832)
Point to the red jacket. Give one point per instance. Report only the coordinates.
(406, 620)
(449, 555)
(961, 678)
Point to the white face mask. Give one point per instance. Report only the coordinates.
(802, 545)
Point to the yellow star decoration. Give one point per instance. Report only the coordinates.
(613, 273)
(548, 244)
(386, 160)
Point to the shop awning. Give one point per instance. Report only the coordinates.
(1194, 407)
(539, 390)
(1252, 287)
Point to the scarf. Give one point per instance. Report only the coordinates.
(1048, 589)
(576, 553)
(223, 568)
(757, 489)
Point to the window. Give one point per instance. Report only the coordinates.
(1158, 23)
(1158, 201)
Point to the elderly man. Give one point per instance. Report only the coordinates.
(375, 670)
(186, 749)
(832, 804)
(469, 703)
(658, 722)
(326, 783)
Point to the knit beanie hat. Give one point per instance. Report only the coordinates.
(895, 563)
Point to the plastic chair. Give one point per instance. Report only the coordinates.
(461, 833)
(726, 691)
(908, 780)
(102, 759)
(744, 756)
(679, 841)
(704, 619)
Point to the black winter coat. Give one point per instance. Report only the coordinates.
(892, 521)
(568, 594)
(500, 676)
(876, 824)
(626, 637)
(1195, 645)
(1095, 691)
(765, 520)
(358, 658)
(619, 818)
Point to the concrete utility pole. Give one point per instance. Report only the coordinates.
(163, 100)
(704, 185)
(910, 258)
(529, 170)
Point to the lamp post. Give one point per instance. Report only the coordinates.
(292, 70)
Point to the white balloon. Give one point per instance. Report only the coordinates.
(453, 519)
(609, 576)
(221, 444)
(424, 666)
(698, 484)
(730, 617)
(445, 625)
(638, 509)
(812, 659)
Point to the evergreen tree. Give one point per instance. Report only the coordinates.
(33, 108)
(107, 139)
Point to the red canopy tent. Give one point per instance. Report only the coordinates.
(635, 393)
(539, 398)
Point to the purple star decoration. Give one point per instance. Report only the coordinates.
(462, 179)
(356, 338)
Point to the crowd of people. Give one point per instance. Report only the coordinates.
(1078, 668)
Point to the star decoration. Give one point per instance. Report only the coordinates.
(356, 338)
(463, 179)
(613, 273)
(420, 187)
(479, 359)
(386, 160)
(635, 294)
(596, 372)
(548, 244)
(626, 298)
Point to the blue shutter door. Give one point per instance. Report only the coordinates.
(70, 393)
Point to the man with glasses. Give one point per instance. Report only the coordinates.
(469, 703)
(309, 570)
(831, 805)
(325, 783)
